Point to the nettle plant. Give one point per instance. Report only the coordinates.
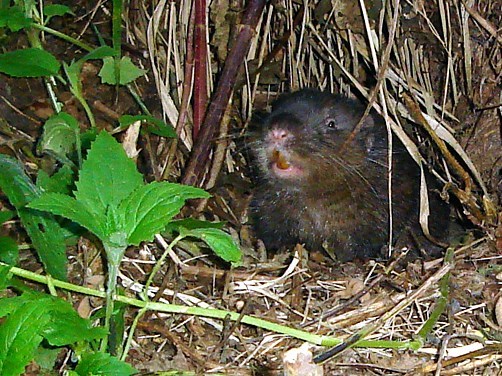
(109, 199)
(112, 201)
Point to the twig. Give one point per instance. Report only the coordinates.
(196, 167)
(360, 335)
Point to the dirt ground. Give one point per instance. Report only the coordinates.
(451, 57)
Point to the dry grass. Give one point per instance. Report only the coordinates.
(446, 57)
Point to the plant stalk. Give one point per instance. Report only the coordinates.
(195, 170)
(209, 312)
(114, 255)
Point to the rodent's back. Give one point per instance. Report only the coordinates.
(312, 190)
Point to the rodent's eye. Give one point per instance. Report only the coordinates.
(330, 123)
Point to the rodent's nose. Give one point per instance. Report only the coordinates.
(279, 134)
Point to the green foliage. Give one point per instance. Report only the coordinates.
(73, 74)
(112, 201)
(46, 359)
(45, 232)
(6, 215)
(14, 18)
(192, 224)
(31, 318)
(117, 328)
(60, 182)
(9, 252)
(61, 137)
(52, 10)
(30, 62)
(219, 241)
(5, 276)
(127, 70)
(99, 53)
(150, 124)
(107, 176)
(103, 364)
(150, 208)
(211, 233)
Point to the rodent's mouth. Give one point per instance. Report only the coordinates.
(282, 166)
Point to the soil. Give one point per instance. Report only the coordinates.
(315, 293)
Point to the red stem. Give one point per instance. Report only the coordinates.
(196, 167)
(200, 73)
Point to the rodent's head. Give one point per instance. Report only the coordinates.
(300, 140)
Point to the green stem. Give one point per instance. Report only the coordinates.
(442, 302)
(114, 255)
(117, 27)
(158, 265)
(87, 109)
(138, 100)
(144, 294)
(117, 38)
(207, 312)
(127, 346)
(65, 37)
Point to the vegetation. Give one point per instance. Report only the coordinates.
(71, 195)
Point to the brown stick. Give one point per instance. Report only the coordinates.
(465, 195)
(195, 169)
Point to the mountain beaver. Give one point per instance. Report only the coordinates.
(311, 190)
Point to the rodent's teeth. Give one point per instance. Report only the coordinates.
(280, 161)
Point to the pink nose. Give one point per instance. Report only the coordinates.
(278, 134)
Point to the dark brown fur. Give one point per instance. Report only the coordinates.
(308, 191)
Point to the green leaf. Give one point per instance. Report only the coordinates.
(191, 223)
(128, 71)
(60, 182)
(5, 277)
(48, 238)
(14, 182)
(52, 10)
(6, 215)
(30, 62)
(60, 136)
(88, 137)
(219, 241)
(153, 125)
(73, 74)
(150, 208)
(14, 18)
(72, 209)
(99, 53)
(33, 316)
(9, 305)
(45, 233)
(9, 252)
(46, 359)
(20, 336)
(103, 364)
(107, 176)
(66, 327)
